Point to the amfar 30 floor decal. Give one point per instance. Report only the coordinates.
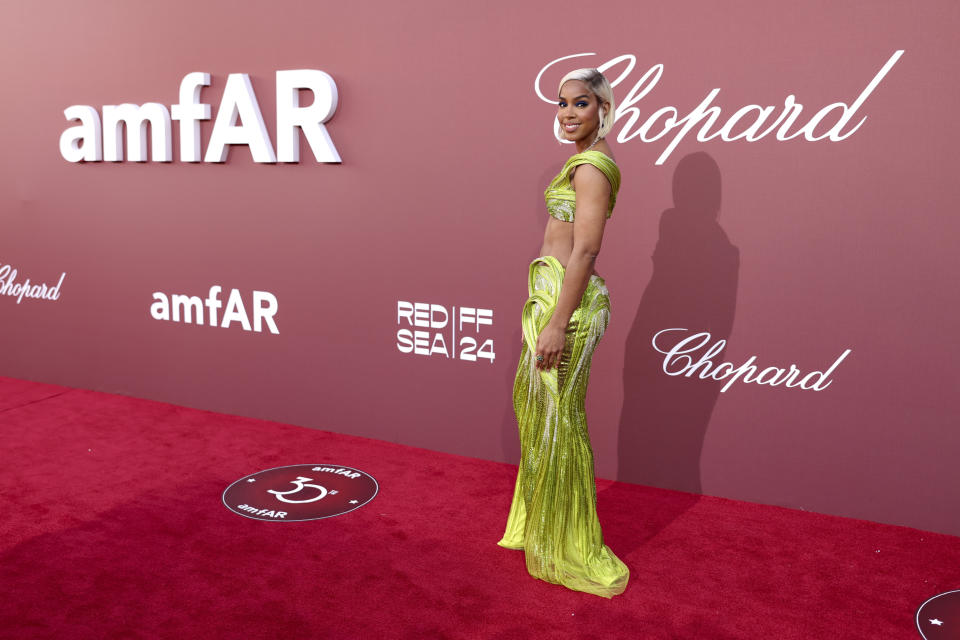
(939, 617)
(300, 492)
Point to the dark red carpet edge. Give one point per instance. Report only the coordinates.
(113, 527)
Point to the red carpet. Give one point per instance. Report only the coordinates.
(113, 527)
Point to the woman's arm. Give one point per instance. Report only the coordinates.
(593, 197)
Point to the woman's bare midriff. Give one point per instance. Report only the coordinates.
(558, 241)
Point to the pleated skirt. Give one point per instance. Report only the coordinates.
(553, 515)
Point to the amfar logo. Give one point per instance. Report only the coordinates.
(90, 142)
(300, 492)
(750, 120)
(10, 287)
(181, 308)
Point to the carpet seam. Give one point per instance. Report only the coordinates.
(26, 404)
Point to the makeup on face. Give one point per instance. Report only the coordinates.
(577, 110)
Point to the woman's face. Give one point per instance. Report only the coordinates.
(578, 111)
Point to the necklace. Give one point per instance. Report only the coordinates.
(591, 144)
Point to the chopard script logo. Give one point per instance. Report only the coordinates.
(20, 290)
(680, 360)
(750, 121)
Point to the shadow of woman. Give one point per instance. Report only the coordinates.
(664, 418)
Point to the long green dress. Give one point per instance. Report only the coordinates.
(553, 516)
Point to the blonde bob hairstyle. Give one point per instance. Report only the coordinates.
(600, 86)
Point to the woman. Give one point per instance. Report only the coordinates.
(553, 516)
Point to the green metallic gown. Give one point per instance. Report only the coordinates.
(553, 516)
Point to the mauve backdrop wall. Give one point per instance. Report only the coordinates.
(793, 250)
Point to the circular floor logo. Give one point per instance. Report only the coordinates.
(939, 617)
(300, 492)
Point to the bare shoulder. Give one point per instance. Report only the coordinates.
(604, 148)
(589, 179)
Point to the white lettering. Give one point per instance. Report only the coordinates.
(437, 318)
(239, 100)
(41, 291)
(704, 116)
(290, 115)
(189, 111)
(160, 310)
(677, 361)
(188, 304)
(263, 313)
(84, 141)
(190, 309)
(135, 117)
(213, 303)
(88, 141)
(235, 311)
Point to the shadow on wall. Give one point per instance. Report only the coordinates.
(694, 286)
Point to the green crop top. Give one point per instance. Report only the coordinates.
(562, 200)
